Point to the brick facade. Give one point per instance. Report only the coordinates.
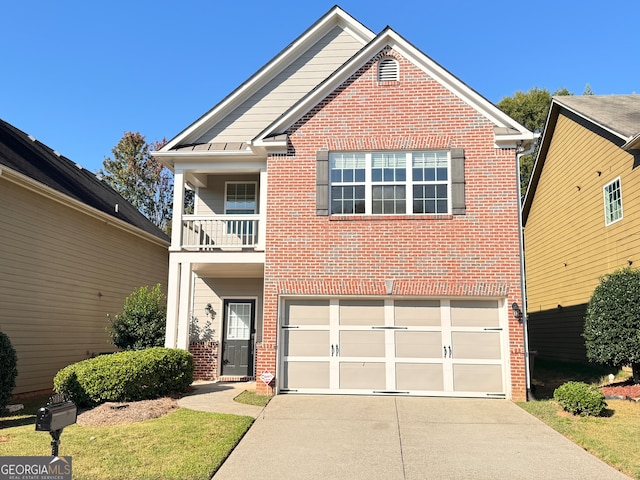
(475, 254)
(205, 360)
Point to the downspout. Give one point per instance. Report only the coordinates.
(523, 285)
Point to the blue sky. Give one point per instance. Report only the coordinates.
(78, 74)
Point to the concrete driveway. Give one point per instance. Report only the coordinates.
(359, 437)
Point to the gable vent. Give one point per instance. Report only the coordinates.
(388, 70)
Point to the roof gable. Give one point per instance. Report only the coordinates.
(278, 78)
(25, 155)
(508, 132)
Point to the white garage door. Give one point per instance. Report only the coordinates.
(418, 347)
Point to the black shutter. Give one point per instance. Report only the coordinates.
(457, 182)
(322, 183)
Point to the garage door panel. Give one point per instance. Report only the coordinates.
(414, 346)
(419, 377)
(474, 313)
(358, 343)
(418, 344)
(306, 312)
(306, 343)
(477, 378)
(305, 375)
(363, 375)
(417, 313)
(476, 345)
(362, 312)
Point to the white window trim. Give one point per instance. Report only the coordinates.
(408, 183)
(607, 204)
(226, 193)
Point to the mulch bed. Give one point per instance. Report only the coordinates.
(113, 413)
(622, 390)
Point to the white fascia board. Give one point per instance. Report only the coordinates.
(397, 43)
(221, 166)
(514, 141)
(173, 160)
(633, 143)
(336, 16)
(59, 197)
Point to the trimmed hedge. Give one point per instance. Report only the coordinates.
(580, 398)
(8, 369)
(126, 376)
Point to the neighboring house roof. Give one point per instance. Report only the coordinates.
(241, 125)
(614, 117)
(25, 155)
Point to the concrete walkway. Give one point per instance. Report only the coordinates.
(361, 437)
(217, 397)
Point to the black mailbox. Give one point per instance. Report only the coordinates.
(56, 416)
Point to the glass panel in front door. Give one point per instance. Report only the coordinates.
(238, 321)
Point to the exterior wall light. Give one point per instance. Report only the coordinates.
(209, 311)
(517, 313)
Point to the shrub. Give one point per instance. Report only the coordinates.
(580, 398)
(142, 321)
(8, 369)
(612, 321)
(126, 376)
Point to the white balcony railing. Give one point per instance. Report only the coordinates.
(219, 231)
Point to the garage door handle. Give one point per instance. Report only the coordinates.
(332, 350)
(450, 354)
(445, 352)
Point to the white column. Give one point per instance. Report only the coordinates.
(184, 307)
(173, 298)
(262, 222)
(178, 208)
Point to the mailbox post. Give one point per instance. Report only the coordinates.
(54, 416)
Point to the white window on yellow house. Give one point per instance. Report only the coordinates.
(612, 202)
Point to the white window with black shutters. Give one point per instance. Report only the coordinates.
(393, 183)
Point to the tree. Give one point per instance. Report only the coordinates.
(140, 178)
(612, 322)
(142, 321)
(530, 109)
(587, 90)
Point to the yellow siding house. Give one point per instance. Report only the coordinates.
(581, 215)
(71, 251)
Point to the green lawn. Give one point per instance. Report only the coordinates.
(250, 397)
(614, 438)
(183, 445)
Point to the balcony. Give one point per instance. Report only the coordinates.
(223, 232)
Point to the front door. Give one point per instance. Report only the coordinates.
(237, 344)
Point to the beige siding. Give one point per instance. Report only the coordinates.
(210, 200)
(278, 95)
(61, 273)
(216, 290)
(568, 246)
